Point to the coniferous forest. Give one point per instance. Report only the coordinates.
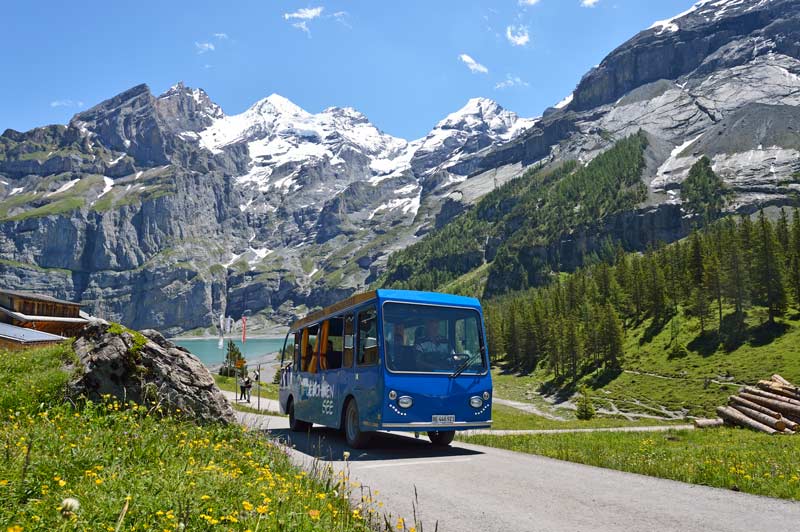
(716, 276)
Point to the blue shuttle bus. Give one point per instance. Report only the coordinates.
(391, 360)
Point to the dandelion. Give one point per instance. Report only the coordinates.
(68, 507)
(247, 506)
(14, 528)
(314, 514)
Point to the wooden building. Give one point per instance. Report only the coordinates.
(13, 337)
(41, 313)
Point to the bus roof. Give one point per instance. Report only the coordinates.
(405, 296)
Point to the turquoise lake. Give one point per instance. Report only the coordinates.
(207, 351)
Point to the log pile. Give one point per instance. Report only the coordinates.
(772, 406)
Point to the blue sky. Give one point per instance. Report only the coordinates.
(405, 64)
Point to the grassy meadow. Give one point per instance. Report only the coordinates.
(114, 466)
(729, 458)
(651, 382)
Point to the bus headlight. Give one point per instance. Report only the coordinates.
(405, 402)
(475, 401)
(485, 396)
(392, 395)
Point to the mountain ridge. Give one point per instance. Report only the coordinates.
(162, 211)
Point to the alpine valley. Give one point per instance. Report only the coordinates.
(161, 211)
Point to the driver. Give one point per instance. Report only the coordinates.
(429, 345)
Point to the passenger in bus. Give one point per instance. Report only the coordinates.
(334, 357)
(431, 348)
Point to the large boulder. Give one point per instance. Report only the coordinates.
(146, 368)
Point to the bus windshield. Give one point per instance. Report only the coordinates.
(431, 339)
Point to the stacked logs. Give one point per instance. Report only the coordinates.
(771, 406)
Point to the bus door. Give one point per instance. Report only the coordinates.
(367, 384)
(289, 369)
(331, 376)
(307, 405)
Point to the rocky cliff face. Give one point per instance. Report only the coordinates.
(722, 79)
(163, 211)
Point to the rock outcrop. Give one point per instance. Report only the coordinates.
(147, 369)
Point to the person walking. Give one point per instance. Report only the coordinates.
(242, 389)
(247, 385)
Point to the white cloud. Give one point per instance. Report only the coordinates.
(528, 2)
(343, 18)
(474, 66)
(511, 81)
(306, 13)
(302, 26)
(221, 36)
(517, 35)
(303, 15)
(589, 3)
(66, 103)
(203, 47)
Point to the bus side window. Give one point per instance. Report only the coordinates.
(334, 343)
(311, 356)
(347, 342)
(296, 357)
(367, 337)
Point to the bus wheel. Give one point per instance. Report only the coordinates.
(352, 432)
(296, 425)
(441, 438)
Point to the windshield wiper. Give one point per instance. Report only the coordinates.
(464, 365)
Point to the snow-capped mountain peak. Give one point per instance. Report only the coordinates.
(483, 114)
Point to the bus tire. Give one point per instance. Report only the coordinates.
(441, 438)
(352, 429)
(296, 425)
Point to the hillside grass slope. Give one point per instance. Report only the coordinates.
(131, 468)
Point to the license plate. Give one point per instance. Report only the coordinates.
(443, 420)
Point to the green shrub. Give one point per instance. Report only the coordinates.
(585, 407)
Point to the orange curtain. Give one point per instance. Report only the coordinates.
(323, 345)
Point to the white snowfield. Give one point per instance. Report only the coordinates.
(283, 139)
(710, 8)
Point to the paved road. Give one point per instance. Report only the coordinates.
(472, 488)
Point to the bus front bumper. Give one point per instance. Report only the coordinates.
(423, 426)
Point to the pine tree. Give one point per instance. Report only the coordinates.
(703, 192)
(782, 233)
(637, 287)
(585, 409)
(735, 282)
(794, 257)
(769, 273)
(713, 284)
(696, 262)
(572, 345)
(746, 242)
(656, 289)
(613, 337)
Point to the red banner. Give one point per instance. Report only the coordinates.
(244, 329)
